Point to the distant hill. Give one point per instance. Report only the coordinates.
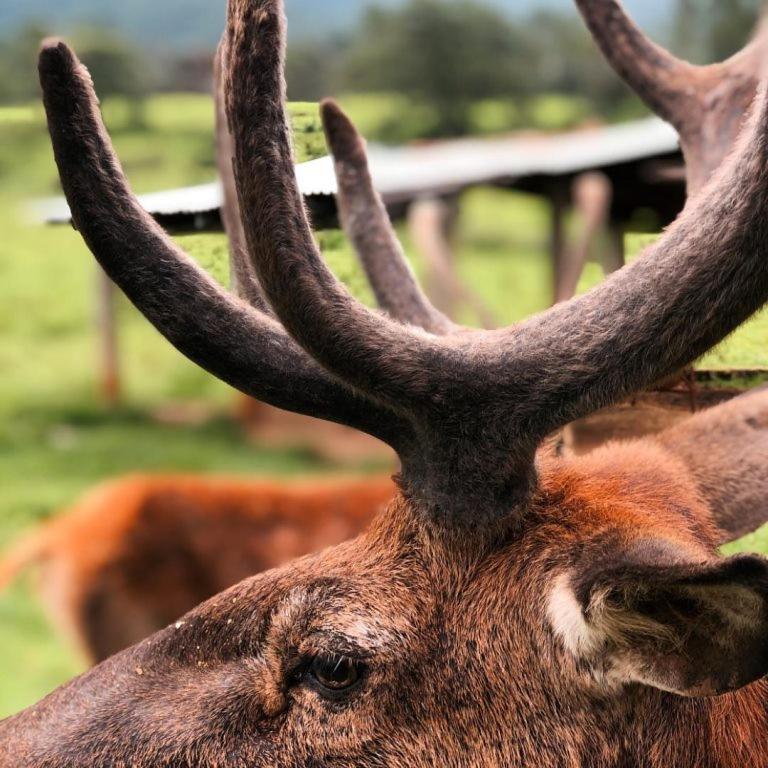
(197, 23)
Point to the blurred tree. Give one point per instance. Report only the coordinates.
(688, 32)
(444, 53)
(18, 63)
(567, 61)
(732, 24)
(713, 30)
(312, 68)
(117, 68)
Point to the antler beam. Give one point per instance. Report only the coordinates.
(367, 224)
(236, 343)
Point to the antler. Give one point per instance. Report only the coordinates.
(705, 104)
(470, 409)
(243, 280)
(514, 386)
(236, 343)
(370, 352)
(367, 224)
(362, 213)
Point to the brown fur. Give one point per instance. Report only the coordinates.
(442, 625)
(500, 613)
(726, 450)
(137, 553)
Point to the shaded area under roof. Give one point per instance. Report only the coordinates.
(441, 168)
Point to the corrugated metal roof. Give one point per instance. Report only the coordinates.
(408, 172)
(315, 178)
(189, 200)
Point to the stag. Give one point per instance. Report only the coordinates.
(509, 607)
(706, 104)
(135, 554)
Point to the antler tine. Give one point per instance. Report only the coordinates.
(223, 335)
(485, 400)
(243, 280)
(706, 104)
(369, 351)
(363, 216)
(702, 279)
(663, 81)
(367, 224)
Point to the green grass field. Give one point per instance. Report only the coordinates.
(57, 439)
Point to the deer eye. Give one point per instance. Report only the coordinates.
(335, 674)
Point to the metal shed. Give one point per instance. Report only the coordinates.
(642, 158)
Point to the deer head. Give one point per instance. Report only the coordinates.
(706, 104)
(509, 606)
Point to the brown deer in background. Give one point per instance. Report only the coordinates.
(135, 554)
(509, 607)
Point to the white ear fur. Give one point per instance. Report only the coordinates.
(568, 622)
(683, 637)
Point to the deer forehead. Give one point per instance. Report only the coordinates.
(365, 625)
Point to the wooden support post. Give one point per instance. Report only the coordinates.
(614, 257)
(592, 195)
(106, 319)
(557, 242)
(432, 223)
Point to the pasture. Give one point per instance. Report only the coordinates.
(57, 439)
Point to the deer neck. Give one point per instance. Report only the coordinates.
(725, 732)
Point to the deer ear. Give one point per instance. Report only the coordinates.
(695, 629)
(726, 451)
